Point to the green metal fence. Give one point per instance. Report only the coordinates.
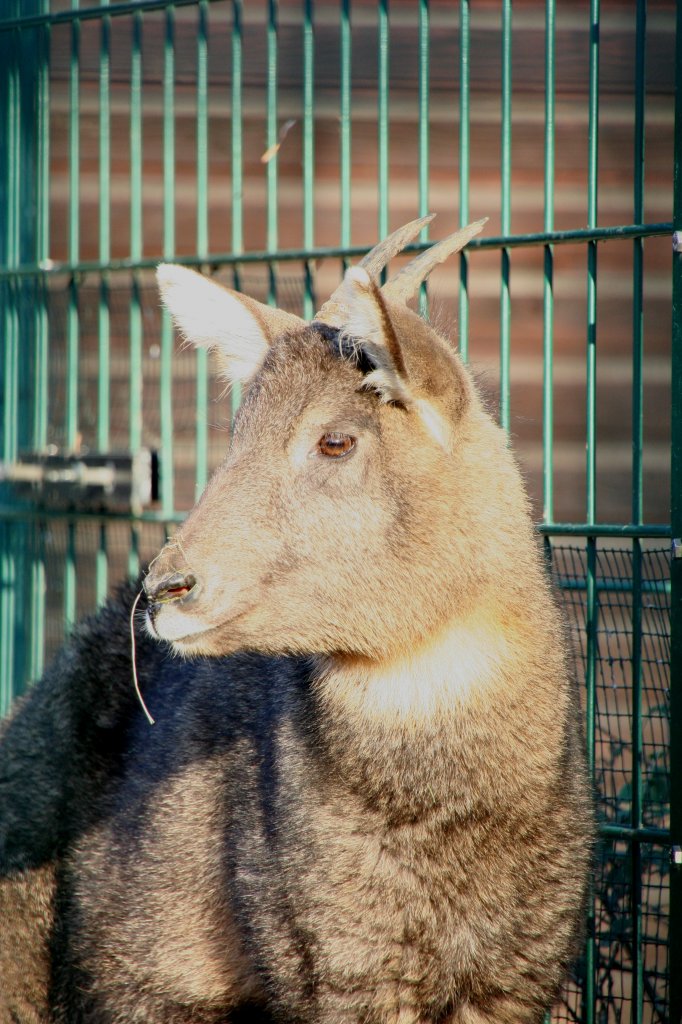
(270, 144)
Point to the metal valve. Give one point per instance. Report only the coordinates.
(98, 481)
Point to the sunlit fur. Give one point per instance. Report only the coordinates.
(364, 800)
(363, 326)
(232, 326)
(427, 684)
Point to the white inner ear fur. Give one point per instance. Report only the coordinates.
(209, 316)
(436, 425)
(363, 321)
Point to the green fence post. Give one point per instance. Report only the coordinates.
(135, 365)
(637, 516)
(591, 462)
(73, 313)
(505, 212)
(104, 313)
(166, 369)
(202, 243)
(424, 71)
(236, 156)
(383, 117)
(464, 116)
(271, 142)
(36, 613)
(237, 161)
(10, 168)
(548, 289)
(345, 123)
(675, 947)
(308, 152)
(23, 321)
(548, 277)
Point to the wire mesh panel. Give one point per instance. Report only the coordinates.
(271, 143)
(632, 775)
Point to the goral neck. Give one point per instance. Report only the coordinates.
(419, 688)
(436, 727)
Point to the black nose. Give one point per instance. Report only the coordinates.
(169, 588)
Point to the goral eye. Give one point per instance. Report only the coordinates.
(335, 446)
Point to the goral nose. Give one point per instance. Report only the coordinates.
(172, 587)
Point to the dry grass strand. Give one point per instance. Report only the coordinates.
(133, 654)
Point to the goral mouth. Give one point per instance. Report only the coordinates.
(188, 642)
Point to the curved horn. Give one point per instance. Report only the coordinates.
(375, 260)
(373, 263)
(405, 283)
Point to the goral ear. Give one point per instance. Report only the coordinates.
(236, 328)
(366, 321)
(368, 324)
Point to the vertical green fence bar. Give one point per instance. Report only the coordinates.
(166, 372)
(548, 271)
(237, 168)
(11, 111)
(135, 325)
(73, 313)
(638, 266)
(36, 659)
(42, 245)
(505, 211)
(104, 324)
(383, 115)
(135, 316)
(236, 158)
(73, 234)
(637, 513)
(14, 171)
(103, 376)
(308, 151)
(464, 120)
(271, 142)
(591, 367)
(202, 242)
(675, 944)
(424, 71)
(591, 403)
(345, 125)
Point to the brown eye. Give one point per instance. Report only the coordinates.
(335, 446)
